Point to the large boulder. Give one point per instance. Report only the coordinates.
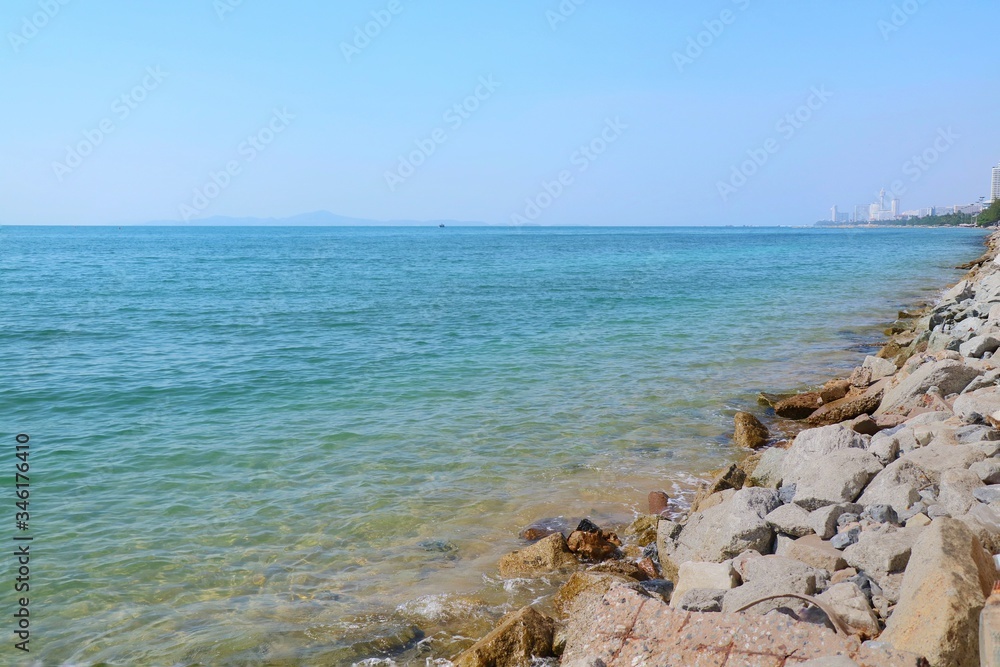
(791, 520)
(546, 555)
(977, 404)
(624, 629)
(950, 376)
(816, 442)
(955, 491)
(944, 589)
(727, 530)
(799, 407)
(881, 368)
(898, 486)
(768, 471)
(516, 642)
(934, 460)
(977, 346)
(750, 433)
(838, 477)
(849, 408)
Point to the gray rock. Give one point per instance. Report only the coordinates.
(881, 514)
(790, 520)
(950, 376)
(843, 540)
(882, 551)
(974, 433)
(898, 486)
(937, 511)
(935, 459)
(786, 493)
(977, 346)
(940, 342)
(987, 494)
(845, 519)
(837, 477)
(988, 471)
(660, 588)
(811, 444)
(916, 509)
(955, 491)
(702, 600)
(824, 520)
(983, 402)
(767, 474)
(726, 530)
(881, 368)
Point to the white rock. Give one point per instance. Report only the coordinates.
(693, 575)
(898, 486)
(851, 605)
(956, 490)
(948, 375)
(811, 444)
(791, 520)
(838, 477)
(977, 346)
(881, 368)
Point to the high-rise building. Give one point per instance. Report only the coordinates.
(833, 214)
(995, 189)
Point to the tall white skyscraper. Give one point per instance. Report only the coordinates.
(995, 189)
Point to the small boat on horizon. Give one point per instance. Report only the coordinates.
(441, 225)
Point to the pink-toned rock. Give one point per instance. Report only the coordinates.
(624, 629)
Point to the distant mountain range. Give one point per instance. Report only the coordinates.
(314, 219)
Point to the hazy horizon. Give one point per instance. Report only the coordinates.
(569, 113)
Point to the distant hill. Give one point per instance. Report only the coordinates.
(314, 219)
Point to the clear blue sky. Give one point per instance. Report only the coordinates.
(676, 129)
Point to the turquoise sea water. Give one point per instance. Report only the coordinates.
(310, 446)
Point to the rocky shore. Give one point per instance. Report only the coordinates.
(864, 540)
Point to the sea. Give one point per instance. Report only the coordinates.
(309, 446)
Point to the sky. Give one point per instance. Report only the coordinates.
(551, 112)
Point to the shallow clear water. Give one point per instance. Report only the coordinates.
(310, 446)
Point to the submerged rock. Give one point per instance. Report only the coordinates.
(543, 528)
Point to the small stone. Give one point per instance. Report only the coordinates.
(692, 575)
(918, 520)
(767, 474)
(648, 567)
(588, 526)
(825, 520)
(624, 568)
(750, 432)
(938, 511)
(881, 514)
(658, 502)
(861, 377)
(847, 518)
(841, 541)
(864, 425)
(851, 605)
